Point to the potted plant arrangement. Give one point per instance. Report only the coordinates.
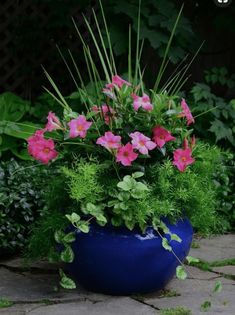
(135, 176)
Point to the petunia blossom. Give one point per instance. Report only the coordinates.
(142, 143)
(186, 113)
(118, 82)
(107, 112)
(161, 136)
(40, 148)
(126, 154)
(109, 141)
(183, 158)
(142, 101)
(53, 122)
(79, 127)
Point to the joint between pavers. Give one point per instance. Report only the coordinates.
(144, 303)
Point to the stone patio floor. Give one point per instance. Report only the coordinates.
(33, 290)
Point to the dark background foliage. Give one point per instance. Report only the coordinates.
(22, 190)
(31, 30)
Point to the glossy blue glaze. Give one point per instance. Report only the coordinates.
(120, 262)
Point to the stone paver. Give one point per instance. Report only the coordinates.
(114, 306)
(193, 292)
(215, 248)
(33, 290)
(21, 264)
(27, 287)
(19, 309)
(227, 270)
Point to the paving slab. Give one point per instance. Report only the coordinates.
(227, 270)
(34, 289)
(215, 248)
(19, 309)
(114, 306)
(20, 264)
(28, 287)
(192, 292)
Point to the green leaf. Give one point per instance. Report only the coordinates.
(69, 238)
(67, 255)
(205, 306)
(83, 227)
(124, 186)
(141, 187)
(163, 226)
(180, 273)
(191, 259)
(91, 208)
(129, 224)
(123, 196)
(221, 130)
(175, 237)
(137, 174)
(18, 130)
(217, 287)
(66, 282)
(135, 193)
(73, 218)
(59, 236)
(166, 245)
(12, 107)
(101, 218)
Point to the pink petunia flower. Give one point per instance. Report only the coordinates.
(118, 82)
(105, 111)
(126, 154)
(109, 141)
(79, 127)
(183, 158)
(53, 122)
(142, 101)
(142, 143)
(186, 113)
(40, 148)
(161, 136)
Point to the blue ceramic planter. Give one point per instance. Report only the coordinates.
(120, 262)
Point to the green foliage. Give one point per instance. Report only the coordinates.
(216, 116)
(183, 190)
(66, 282)
(18, 121)
(217, 287)
(191, 259)
(221, 76)
(225, 186)
(181, 273)
(5, 303)
(157, 21)
(205, 306)
(21, 200)
(83, 182)
(179, 310)
(49, 228)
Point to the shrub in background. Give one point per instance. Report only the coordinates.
(22, 190)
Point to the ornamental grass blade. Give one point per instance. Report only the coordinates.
(163, 64)
(108, 37)
(107, 75)
(67, 66)
(137, 45)
(60, 96)
(129, 57)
